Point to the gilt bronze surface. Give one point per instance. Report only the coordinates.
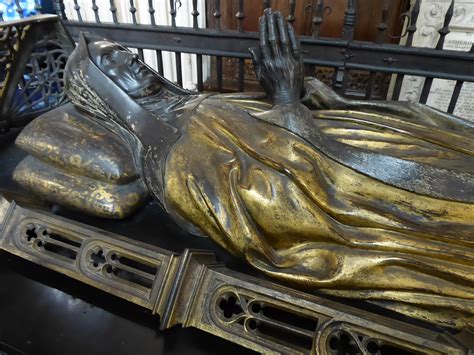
(78, 163)
(366, 200)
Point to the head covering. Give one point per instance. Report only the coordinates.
(91, 90)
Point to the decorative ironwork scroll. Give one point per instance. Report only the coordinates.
(33, 54)
(194, 290)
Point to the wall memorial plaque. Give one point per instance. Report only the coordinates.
(461, 38)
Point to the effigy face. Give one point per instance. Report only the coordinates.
(353, 199)
(124, 68)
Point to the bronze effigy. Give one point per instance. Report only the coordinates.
(78, 163)
(367, 200)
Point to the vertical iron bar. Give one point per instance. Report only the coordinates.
(140, 54)
(266, 4)
(19, 9)
(59, 9)
(291, 17)
(177, 55)
(455, 97)
(113, 10)
(426, 90)
(318, 18)
(173, 12)
(370, 85)
(78, 10)
(241, 74)
(219, 73)
(382, 27)
(200, 85)
(179, 69)
(240, 17)
(398, 87)
(411, 29)
(218, 14)
(133, 11)
(350, 16)
(443, 31)
(381, 33)
(159, 62)
(349, 20)
(317, 10)
(95, 8)
(195, 14)
(151, 11)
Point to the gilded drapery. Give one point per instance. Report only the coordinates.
(298, 214)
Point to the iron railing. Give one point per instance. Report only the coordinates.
(33, 55)
(341, 56)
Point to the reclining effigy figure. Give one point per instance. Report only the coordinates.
(365, 200)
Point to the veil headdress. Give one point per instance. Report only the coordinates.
(92, 91)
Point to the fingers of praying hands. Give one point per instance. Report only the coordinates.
(278, 61)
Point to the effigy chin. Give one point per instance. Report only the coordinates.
(361, 200)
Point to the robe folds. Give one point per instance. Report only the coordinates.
(357, 199)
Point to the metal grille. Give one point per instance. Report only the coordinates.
(33, 54)
(353, 68)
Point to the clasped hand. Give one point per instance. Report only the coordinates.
(278, 61)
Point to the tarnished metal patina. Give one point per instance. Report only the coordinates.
(193, 290)
(78, 163)
(366, 200)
